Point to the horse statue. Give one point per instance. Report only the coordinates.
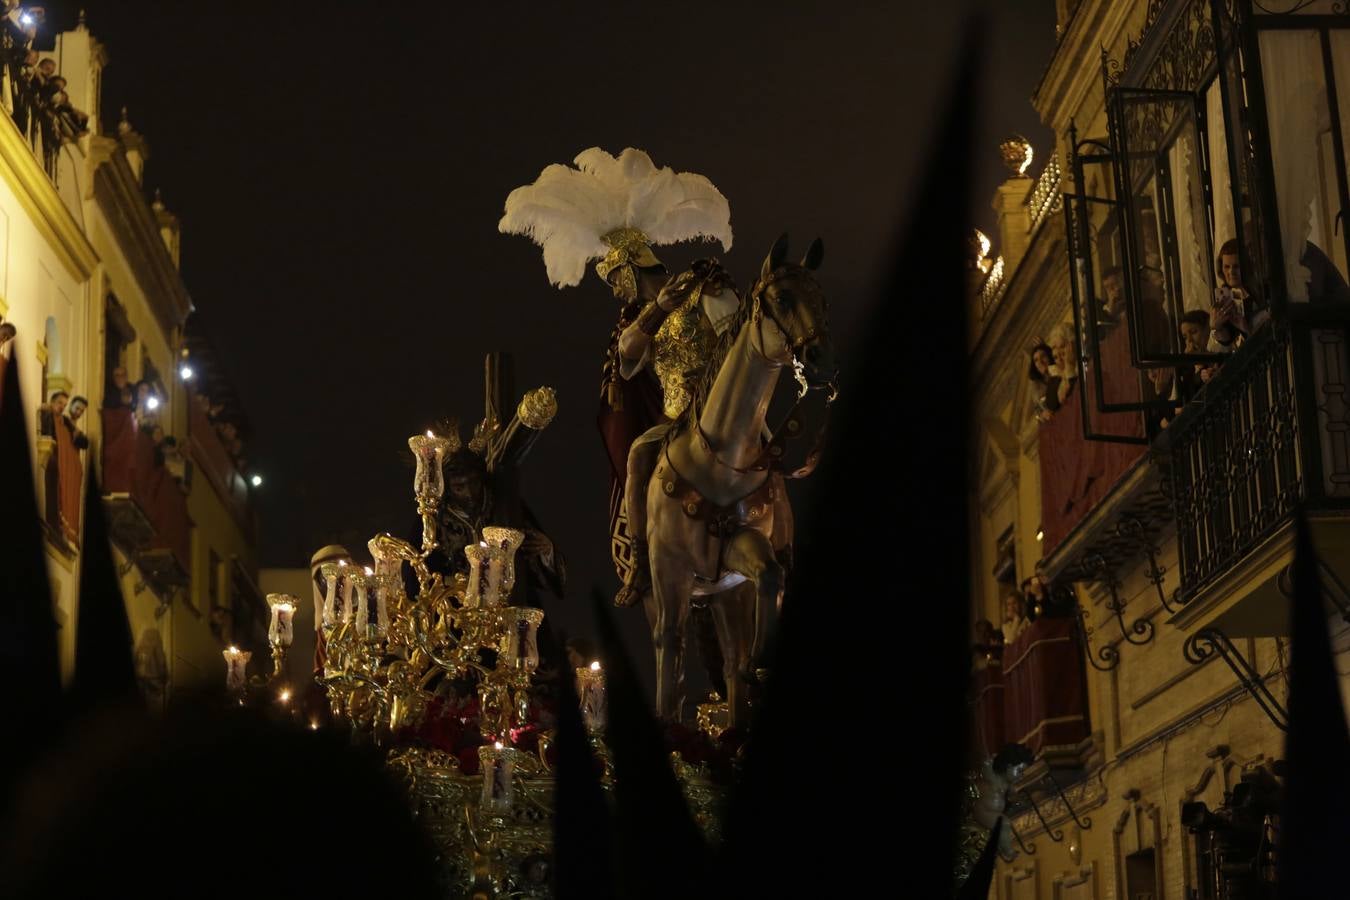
(719, 523)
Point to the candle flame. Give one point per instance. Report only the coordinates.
(314, 725)
(498, 745)
(342, 562)
(285, 696)
(429, 434)
(595, 666)
(285, 607)
(369, 570)
(233, 650)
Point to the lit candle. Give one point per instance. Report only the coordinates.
(281, 631)
(498, 764)
(475, 553)
(429, 453)
(236, 669)
(591, 691)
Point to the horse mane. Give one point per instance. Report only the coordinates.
(703, 384)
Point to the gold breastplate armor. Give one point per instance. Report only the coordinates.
(680, 351)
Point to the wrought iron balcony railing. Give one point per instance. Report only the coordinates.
(1271, 433)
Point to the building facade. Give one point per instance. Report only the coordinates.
(90, 283)
(1180, 262)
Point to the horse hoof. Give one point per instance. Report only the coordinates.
(628, 595)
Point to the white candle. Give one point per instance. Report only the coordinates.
(591, 692)
(498, 765)
(281, 630)
(236, 669)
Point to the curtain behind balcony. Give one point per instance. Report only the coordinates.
(1044, 687)
(1220, 175)
(1291, 68)
(1189, 208)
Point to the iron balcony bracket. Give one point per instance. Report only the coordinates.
(1056, 836)
(1028, 849)
(1132, 529)
(1108, 655)
(1206, 642)
(1140, 631)
(1083, 822)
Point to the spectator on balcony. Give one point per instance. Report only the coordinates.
(1035, 596)
(1164, 384)
(1064, 373)
(119, 394)
(77, 407)
(70, 122)
(1044, 402)
(1113, 296)
(147, 404)
(1229, 326)
(1195, 333)
(51, 411)
(1014, 618)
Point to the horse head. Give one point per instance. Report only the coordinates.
(792, 315)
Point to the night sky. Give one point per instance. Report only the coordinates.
(339, 170)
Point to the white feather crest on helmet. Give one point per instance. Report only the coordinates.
(569, 212)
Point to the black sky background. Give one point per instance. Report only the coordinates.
(339, 170)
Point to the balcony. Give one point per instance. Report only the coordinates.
(147, 510)
(214, 461)
(1272, 435)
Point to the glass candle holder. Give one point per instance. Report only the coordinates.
(327, 613)
(281, 630)
(236, 669)
(494, 577)
(476, 554)
(363, 584)
(498, 763)
(508, 541)
(591, 693)
(429, 453)
(519, 647)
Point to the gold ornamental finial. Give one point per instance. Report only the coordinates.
(1017, 154)
(537, 408)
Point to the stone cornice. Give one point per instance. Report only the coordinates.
(38, 196)
(134, 227)
(1068, 82)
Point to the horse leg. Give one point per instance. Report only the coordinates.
(734, 615)
(751, 553)
(667, 606)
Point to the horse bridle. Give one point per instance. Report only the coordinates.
(772, 454)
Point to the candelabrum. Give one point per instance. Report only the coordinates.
(388, 652)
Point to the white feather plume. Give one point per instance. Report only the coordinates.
(567, 211)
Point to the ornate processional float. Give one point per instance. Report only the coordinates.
(444, 681)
